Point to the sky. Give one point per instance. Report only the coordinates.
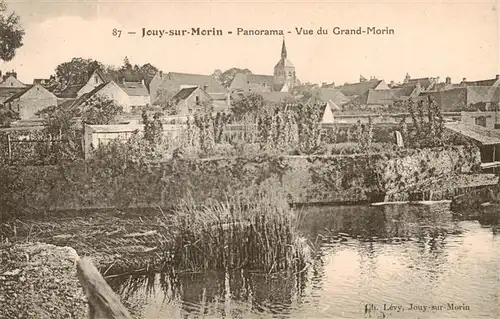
(431, 38)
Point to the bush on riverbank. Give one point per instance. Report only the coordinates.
(256, 232)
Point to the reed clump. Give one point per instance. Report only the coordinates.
(257, 233)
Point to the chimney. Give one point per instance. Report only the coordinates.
(448, 80)
(362, 79)
(464, 79)
(407, 78)
(392, 83)
(496, 76)
(161, 74)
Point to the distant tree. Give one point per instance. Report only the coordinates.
(126, 64)
(77, 71)
(8, 116)
(250, 104)
(11, 33)
(226, 77)
(147, 71)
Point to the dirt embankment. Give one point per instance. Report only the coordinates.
(39, 281)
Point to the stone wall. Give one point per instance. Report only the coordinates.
(305, 179)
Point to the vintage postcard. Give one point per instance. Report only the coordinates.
(249, 159)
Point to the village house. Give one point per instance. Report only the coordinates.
(375, 98)
(10, 80)
(333, 98)
(76, 90)
(126, 94)
(283, 79)
(192, 99)
(252, 83)
(9, 85)
(489, 82)
(355, 89)
(469, 98)
(30, 101)
(166, 85)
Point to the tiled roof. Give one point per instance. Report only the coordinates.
(489, 82)
(424, 82)
(358, 88)
(376, 97)
(252, 82)
(184, 93)
(334, 95)
(478, 133)
(134, 88)
(18, 94)
(195, 79)
(70, 91)
(6, 92)
(259, 78)
(403, 91)
(84, 97)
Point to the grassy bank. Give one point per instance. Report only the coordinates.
(257, 231)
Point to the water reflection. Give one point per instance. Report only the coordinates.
(365, 255)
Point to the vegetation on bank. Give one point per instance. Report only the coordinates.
(257, 233)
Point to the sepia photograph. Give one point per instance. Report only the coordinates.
(249, 159)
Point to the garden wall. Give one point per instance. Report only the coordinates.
(305, 179)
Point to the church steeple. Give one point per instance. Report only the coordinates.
(283, 49)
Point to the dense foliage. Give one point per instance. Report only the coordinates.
(8, 116)
(11, 33)
(428, 123)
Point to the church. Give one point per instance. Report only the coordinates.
(282, 80)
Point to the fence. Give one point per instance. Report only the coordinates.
(34, 146)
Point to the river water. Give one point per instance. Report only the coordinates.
(393, 261)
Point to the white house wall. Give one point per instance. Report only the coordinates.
(91, 84)
(115, 93)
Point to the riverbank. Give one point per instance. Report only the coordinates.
(121, 184)
(39, 281)
(117, 241)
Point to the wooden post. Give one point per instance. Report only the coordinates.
(10, 148)
(103, 302)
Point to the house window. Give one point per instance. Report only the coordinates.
(95, 79)
(481, 121)
(197, 100)
(205, 87)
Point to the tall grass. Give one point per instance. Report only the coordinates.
(257, 232)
